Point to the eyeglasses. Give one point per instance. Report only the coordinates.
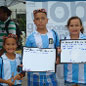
(10, 36)
(40, 10)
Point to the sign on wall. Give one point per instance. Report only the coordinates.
(58, 14)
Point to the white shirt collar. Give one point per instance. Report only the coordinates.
(39, 33)
(80, 35)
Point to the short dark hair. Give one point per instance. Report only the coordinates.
(6, 10)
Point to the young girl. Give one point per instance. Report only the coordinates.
(75, 74)
(9, 62)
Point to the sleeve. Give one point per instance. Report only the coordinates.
(57, 41)
(56, 38)
(19, 62)
(28, 42)
(20, 58)
(0, 67)
(12, 27)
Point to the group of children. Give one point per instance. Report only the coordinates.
(74, 74)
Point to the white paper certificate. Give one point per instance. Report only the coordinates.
(73, 51)
(35, 59)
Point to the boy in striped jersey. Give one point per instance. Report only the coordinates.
(42, 38)
(5, 14)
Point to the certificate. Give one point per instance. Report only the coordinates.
(73, 51)
(35, 59)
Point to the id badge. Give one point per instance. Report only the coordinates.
(50, 40)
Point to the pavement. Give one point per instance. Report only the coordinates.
(24, 81)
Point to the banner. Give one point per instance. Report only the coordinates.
(59, 11)
(58, 14)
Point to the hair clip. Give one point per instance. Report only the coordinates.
(10, 36)
(40, 10)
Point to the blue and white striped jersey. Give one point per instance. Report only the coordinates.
(75, 72)
(9, 67)
(48, 40)
(43, 40)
